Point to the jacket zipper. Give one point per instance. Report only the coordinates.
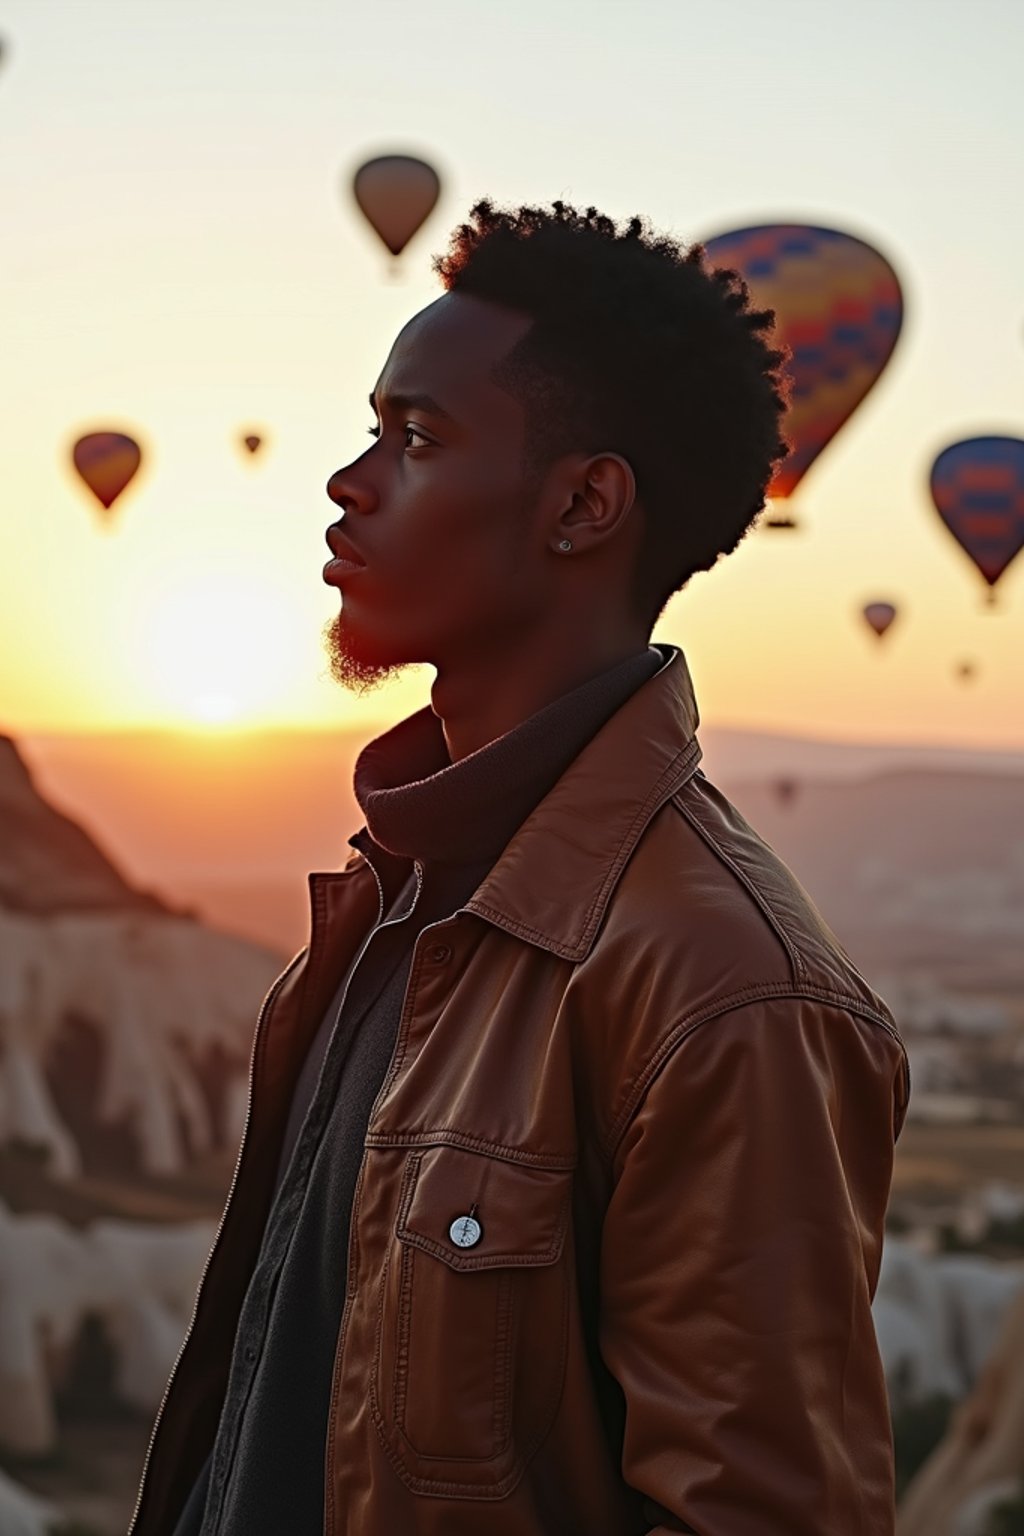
(340, 1344)
(278, 984)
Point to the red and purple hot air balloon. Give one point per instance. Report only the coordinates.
(978, 488)
(838, 308)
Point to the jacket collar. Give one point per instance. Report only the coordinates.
(420, 805)
(555, 877)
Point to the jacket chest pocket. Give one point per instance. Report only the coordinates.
(471, 1329)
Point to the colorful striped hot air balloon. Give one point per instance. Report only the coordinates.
(838, 308)
(107, 462)
(978, 488)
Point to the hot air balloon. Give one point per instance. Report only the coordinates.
(879, 616)
(978, 488)
(838, 308)
(785, 790)
(395, 193)
(107, 462)
(965, 671)
(252, 442)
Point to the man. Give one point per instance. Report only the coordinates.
(560, 1202)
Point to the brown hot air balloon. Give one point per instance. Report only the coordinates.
(252, 441)
(395, 194)
(879, 616)
(785, 790)
(965, 671)
(107, 462)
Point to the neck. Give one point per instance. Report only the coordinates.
(480, 697)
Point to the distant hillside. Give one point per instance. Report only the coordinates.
(47, 861)
(909, 866)
(733, 754)
(125, 1024)
(910, 851)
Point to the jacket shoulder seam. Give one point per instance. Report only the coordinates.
(797, 964)
(731, 1003)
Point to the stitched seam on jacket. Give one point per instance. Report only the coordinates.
(749, 884)
(319, 911)
(445, 1135)
(404, 1025)
(653, 802)
(733, 1002)
(499, 1489)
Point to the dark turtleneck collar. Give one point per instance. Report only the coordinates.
(418, 804)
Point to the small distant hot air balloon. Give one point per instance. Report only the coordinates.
(879, 616)
(395, 194)
(978, 489)
(838, 308)
(965, 671)
(785, 790)
(107, 462)
(252, 442)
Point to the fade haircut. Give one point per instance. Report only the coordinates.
(639, 347)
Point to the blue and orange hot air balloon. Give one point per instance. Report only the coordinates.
(107, 462)
(978, 488)
(838, 308)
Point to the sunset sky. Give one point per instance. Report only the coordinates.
(181, 260)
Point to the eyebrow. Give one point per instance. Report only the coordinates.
(415, 401)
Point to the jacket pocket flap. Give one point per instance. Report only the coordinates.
(517, 1214)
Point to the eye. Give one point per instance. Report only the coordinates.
(375, 432)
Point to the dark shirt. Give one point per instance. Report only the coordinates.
(265, 1473)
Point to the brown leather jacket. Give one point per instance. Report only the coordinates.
(643, 1064)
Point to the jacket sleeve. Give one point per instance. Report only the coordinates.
(740, 1256)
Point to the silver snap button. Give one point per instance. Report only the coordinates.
(465, 1231)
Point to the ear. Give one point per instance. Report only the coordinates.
(595, 498)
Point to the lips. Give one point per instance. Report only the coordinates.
(343, 549)
(335, 570)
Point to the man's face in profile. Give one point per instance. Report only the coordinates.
(435, 507)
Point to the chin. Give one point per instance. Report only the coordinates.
(360, 660)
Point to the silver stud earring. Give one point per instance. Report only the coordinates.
(565, 544)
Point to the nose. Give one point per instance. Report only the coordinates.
(336, 490)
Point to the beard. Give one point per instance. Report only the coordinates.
(354, 665)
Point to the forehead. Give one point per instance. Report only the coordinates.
(448, 350)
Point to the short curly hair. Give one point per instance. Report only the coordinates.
(639, 347)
